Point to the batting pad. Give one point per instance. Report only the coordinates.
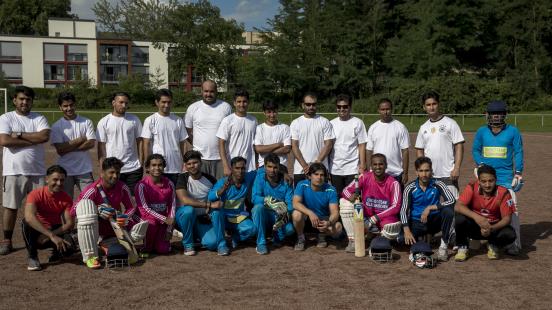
(391, 231)
(87, 227)
(138, 231)
(346, 210)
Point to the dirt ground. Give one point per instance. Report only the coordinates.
(316, 278)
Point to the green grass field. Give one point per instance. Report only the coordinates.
(534, 122)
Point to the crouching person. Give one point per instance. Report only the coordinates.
(272, 197)
(48, 220)
(156, 200)
(316, 200)
(484, 212)
(97, 205)
(196, 217)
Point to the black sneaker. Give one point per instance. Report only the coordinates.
(5, 247)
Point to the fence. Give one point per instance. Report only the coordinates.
(467, 122)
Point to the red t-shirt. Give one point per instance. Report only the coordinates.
(49, 206)
(494, 208)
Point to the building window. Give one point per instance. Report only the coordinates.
(64, 63)
(77, 53)
(54, 52)
(11, 71)
(77, 72)
(140, 55)
(54, 72)
(10, 51)
(110, 74)
(114, 53)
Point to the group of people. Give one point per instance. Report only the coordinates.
(242, 180)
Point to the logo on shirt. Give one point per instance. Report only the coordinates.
(495, 152)
(433, 129)
(442, 128)
(158, 207)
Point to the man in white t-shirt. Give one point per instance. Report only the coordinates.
(236, 134)
(119, 137)
(312, 138)
(164, 133)
(348, 157)
(22, 134)
(273, 136)
(202, 122)
(441, 139)
(72, 136)
(390, 137)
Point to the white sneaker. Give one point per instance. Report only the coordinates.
(442, 254)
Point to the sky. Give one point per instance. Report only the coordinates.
(252, 13)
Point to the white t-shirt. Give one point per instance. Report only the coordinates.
(389, 139)
(28, 160)
(239, 133)
(266, 135)
(205, 120)
(311, 134)
(119, 135)
(348, 135)
(76, 162)
(166, 133)
(437, 139)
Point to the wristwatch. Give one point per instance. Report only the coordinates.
(18, 134)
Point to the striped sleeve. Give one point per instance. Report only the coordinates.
(395, 201)
(172, 210)
(447, 195)
(143, 204)
(349, 191)
(405, 208)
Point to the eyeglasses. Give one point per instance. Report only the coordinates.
(309, 104)
(342, 107)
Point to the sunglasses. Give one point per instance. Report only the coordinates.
(342, 107)
(309, 104)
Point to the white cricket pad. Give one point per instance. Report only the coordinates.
(391, 231)
(138, 231)
(87, 228)
(346, 210)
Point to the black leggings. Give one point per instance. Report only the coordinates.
(467, 228)
(341, 181)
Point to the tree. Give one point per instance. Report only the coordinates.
(30, 17)
(192, 33)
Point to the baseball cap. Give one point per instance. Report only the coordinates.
(497, 106)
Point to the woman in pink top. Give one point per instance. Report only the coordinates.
(156, 200)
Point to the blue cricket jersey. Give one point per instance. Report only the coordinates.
(262, 188)
(415, 200)
(499, 151)
(317, 201)
(233, 198)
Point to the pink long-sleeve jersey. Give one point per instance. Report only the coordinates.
(155, 202)
(382, 199)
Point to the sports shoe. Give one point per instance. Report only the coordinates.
(33, 264)
(5, 247)
(299, 245)
(462, 254)
(350, 247)
(442, 254)
(512, 250)
(223, 251)
(492, 252)
(322, 243)
(190, 251)
(261, 249)
(93, 263)
(235, 240)
(177, 234)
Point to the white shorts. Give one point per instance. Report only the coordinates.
(16, 188)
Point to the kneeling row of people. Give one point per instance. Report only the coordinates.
(208, 208)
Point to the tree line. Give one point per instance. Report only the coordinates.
(469, 51)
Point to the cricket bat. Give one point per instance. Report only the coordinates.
(358, 224)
